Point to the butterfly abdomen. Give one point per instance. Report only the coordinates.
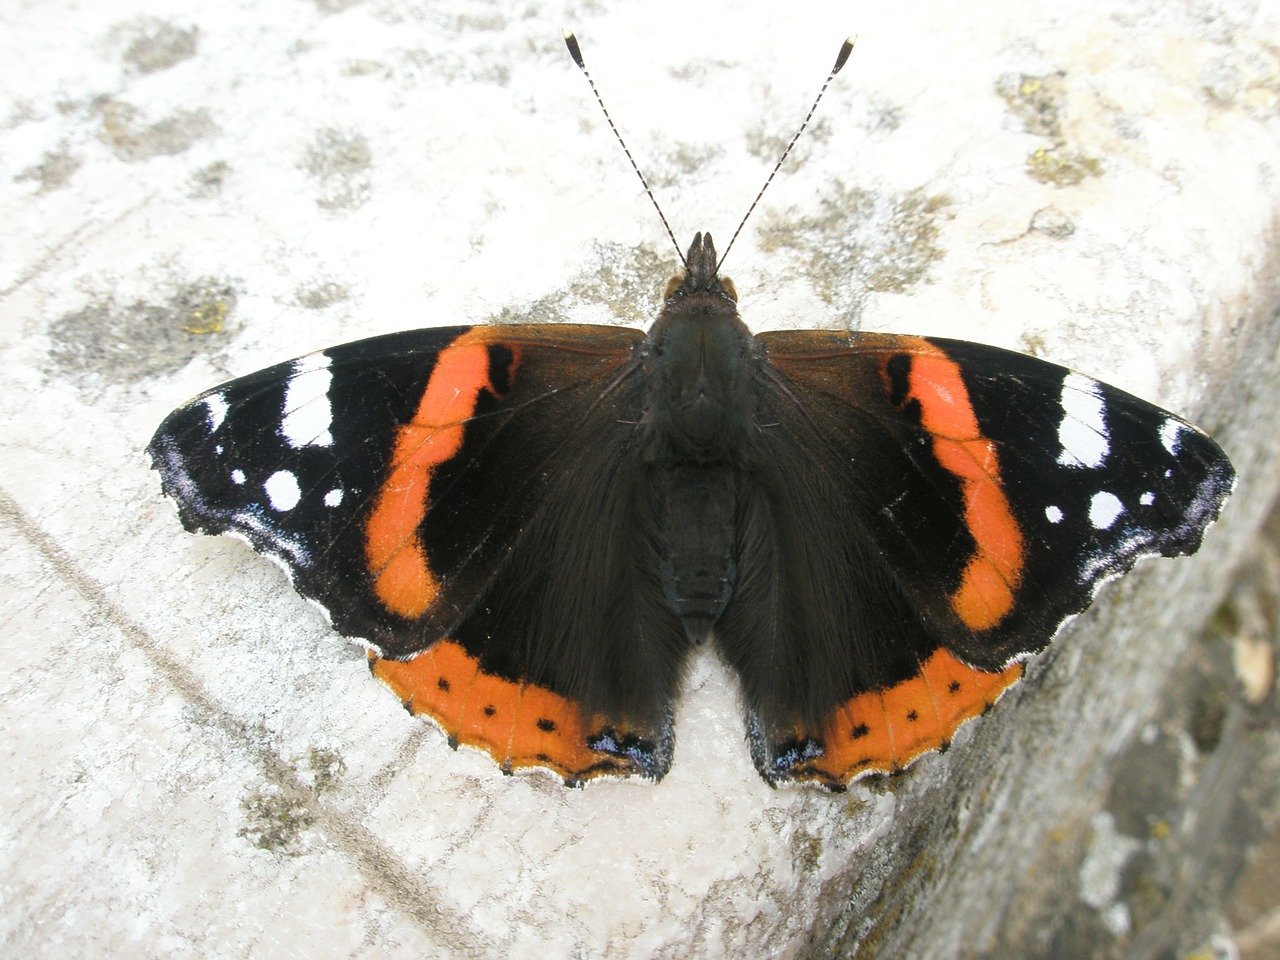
(699, 504)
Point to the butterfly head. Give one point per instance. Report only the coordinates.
(699, 276)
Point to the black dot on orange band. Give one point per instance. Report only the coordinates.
(898, 370)
(443, 684)
(489, 711)
(545, 725)
(953, 686)
(500, 360)
(859, 732)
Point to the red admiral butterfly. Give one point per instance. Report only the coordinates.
(532, 527)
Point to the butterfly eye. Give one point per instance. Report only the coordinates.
(674, 284)
(729, 289)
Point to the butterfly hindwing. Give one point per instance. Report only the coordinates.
(427, 488)
(969, 500)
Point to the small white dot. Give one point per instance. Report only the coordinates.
(1147, 499)
(1054, 514)
(333, 497)
(282, 490)
(1170, 432)
(237, 475)
(1104, 508)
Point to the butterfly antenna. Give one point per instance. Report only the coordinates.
(846, 48)
(575, 51)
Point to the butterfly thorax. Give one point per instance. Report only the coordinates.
(700, 367)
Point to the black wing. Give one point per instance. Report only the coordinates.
(926, 515)
(461, 497)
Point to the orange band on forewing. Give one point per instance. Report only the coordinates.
(945, 409)
(402, 577)
(882, 731)
(985, 595)
(518, 724)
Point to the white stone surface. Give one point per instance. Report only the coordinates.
(194, 765)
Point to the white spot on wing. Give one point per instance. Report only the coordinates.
(1147, 499)
(216, 404)
(333, 497)
(308, 414)
(282, 490)
(1082, 431)
(1053, 514)
(1170, 431)
(1104, 508)
(237, 475)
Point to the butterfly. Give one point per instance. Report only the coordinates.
(533, 527)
